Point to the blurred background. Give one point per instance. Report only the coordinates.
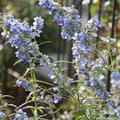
(107, 11)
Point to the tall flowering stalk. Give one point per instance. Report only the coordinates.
(83, 46)
(22, 37)
(69, 20)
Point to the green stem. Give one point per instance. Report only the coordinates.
(34, 81)
(82, 107)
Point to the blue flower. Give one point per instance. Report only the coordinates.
(97, 24)
(8, 22)
(69, 81)
(38, 25)
(56, 89)
(45, 60)
(20, 115)
(56, 99)
(97, 87)
(64, 34)
(93, 25)
(52, 75)
(116, 76)
(48, 4)
(24, 84)
(100, 79)
(61, 77)
(82, 37)
(42, 2)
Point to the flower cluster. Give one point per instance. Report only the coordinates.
(56, 77)
(114, 107)
(67, 17)
(97, 78)
(20, 115)
(37, 26)
(22, 35)
(82, 50)
(115, 82)
(93, 25)
(24, 84)
(50, 99)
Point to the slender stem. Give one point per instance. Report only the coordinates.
(33, 78)
(82, 107)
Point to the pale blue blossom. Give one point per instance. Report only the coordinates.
(20, 115)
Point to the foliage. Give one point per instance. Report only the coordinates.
(83, 99)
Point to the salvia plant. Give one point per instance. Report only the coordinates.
(82, 97)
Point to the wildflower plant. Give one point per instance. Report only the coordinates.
(87, 97)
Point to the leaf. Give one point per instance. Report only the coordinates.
(40, 109)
